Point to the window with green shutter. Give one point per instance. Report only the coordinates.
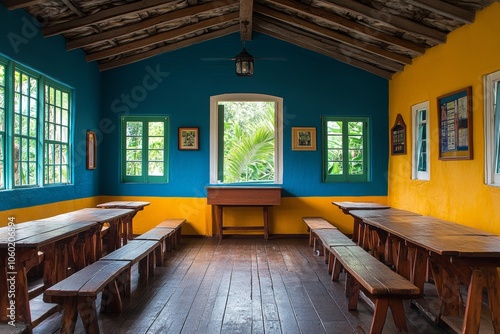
(144, 149)
(346, 149)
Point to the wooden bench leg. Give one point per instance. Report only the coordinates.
(88, 313)
(160, 254)
(381, 306)
(337, 268)
(152, 262)
(352, 292)
(70, 313)
(111, 300)
(398, 313)
(144, 270)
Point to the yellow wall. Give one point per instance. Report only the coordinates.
(285, 219)
(456, 190)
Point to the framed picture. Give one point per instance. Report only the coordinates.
(398, 136)
(455, 125)
(188, 138)
(91, 150)
(304, 139)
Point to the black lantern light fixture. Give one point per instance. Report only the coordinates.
(244, 63)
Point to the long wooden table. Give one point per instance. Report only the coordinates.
(19, 246)
(458, 255)
(114, 217)
(347, 207)
(128, 228)
(265, 197)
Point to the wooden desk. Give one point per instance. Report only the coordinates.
(54, 238)
(128, 229)
(347, 207)
(221, 197)
(115, 219)
(457, 255)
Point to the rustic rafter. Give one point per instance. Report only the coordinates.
(246, 10)
(161, 37)
(349, 25)
(147, 23)
(166, 48)
(15, 4)
(313, 45)
(294, 21)
(387, 18)
(103, 15)
(445, 9)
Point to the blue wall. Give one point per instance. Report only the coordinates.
(310, 84)
(22, 41)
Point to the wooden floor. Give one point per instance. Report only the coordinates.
(242, 285)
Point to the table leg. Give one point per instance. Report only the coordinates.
(355, 233)
(218, 217)
(472, 317)
(265, 210)
(493, 286)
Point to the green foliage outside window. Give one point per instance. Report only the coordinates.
(144, 149)
(247, 153)
(346, 149)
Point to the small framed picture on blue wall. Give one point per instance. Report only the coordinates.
(91, 150)
(304, 139)
(188, 138)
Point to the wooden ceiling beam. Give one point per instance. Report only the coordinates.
(162, 37)
(103, 15)
(445, 9)
(146, 24)
(338, 47)
(73, 7)
(166, 48)
(394, 21)
(303, 24)
(349, 25)
(246, 11)
(315, 46)
(16, 4)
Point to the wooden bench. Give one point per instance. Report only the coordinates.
(163, 236)
(315, 223)
(326, 239)
(141, 251)
(78, 292)
(175, 224)
(378, 282)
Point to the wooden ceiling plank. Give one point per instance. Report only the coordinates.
(161, 37)
(350, 25)
(295, 21)
(316, 46)
(16, 4)
(397, 22)
(146, 24)
(246, 11)
(445, 9)
(103, 15)
(170, 47)
(332, 45)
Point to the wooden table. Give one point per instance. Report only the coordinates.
(115, 219)
(347, 207)
(19, 246)
(128, 229)
(265, 197)
(457, 254)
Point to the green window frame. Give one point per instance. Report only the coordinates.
(346, 154)
(144, 149)
(2, 124)
(26, 128)
(56, 144)
(35, 128)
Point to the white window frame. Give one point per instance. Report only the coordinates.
(278, 150)
(490, 137)
(416, 174)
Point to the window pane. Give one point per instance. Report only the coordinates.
(134, 128)
(335, 168)
(156, 129)
(248, 137)
(56, 136)
(134, 168)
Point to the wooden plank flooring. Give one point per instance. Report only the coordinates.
(242, 285)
